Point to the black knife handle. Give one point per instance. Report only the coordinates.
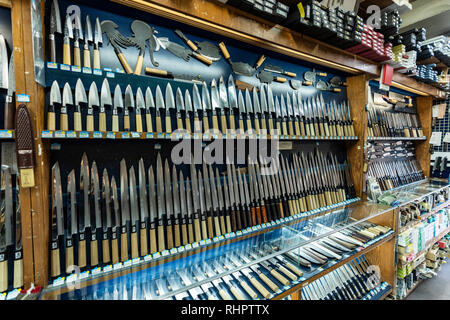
(232, 215)
(237, 213)
(268, 210)
(9, 113)
(249, 216)
(244, 223)
(274, 209)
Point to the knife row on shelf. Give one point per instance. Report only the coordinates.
(393, 124)
(182, 211)
(252, 269)
(255, 113)
(352, 281)
(7, 82)
(390, 150)
(144, 36)
(395, 173)
(11, 261)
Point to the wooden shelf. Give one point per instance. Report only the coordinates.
(423, 217)
(396, 138)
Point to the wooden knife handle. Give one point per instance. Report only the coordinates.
(161, 239)
(97, 59)
(228, 223)
(82, 253)
(264, 214)
(18, 272)
(260, 61)
(126, 122)
(224, 50)
(290, 74)
(254, 219)
(115, 250)
(259, 219)
(69, 256)
(55, 266)
(191, 234)
(180, 123)
(139, 63)
(77, 57)
(115, 123)
(198, 232)
(294, 269)
(188, 123)
(280, 79)
(64, 125)
(153, 241)
(51, 38)
(204, 229)
(94, 253)
(209, 221)
(307, 83)
(321, 74)
(291, 129)
(249, 125)
(177, 235)
(123, 61)
(205, 123)
(124, 246)
(106, 255)
(77, 121)
(102, 121)
(9, 113)
(139, 123)
(168, 124)
(156, 72)
(66, 54)
(269, 282)
(223, 122)
(248, 289)
(149, 122)
(90, 123)
(257, 126)
(51, 122)
(169, 235)
(217, 229)
(215, 122)
(264, 292)
(158, 124)
(143, 238)
(279, 277)
(224, 295)
(87, 58)
(202, 58)
(192, 45)
(237, 293)
(288, 273)
(134, 245)
(184, 234)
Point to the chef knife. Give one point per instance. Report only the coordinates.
(180, 107)
(106, 217)
(134, 209)
(57, 225)
(170, 104)
(84, 219)
(140, 108)
(68, 34)
(118, 104)
(72, 219)
(98, 40)
(80, 97)
(189, 110)
(197, 106)
(129, 104)
(10, 107)
(186, 221)
(96, 221)
(66, 101)
(78, 35)
(106, 100)
(125, 210)
(153, 211)
(88, 39)
(116, 225)
(206, 105)
(55, 98)
(93, 100)
(55, 27)
(232, 102)
(143, 204)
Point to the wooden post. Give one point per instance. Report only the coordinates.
(424, 109)
(34, 201)
(357, 95)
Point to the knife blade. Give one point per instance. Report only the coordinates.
(96, 221)
(186, 220)
(218, 219)
(98, 41)
(179, 107)
(55, 98)
(176, 208)
(125, 213)
(88, 38)
(215, 106)
(225, 107)
(105, 96)
(276, 69)
(160, 105)
(250, 112)
(206, 106)
(116, 225)
(67, 100)
(106, 217)
(84, 219)
(118, 104)
(149, 107)
(10, 109)
(198, 214)
(189, 110)
(170, 104)
(242, 112)
(225, 222)
(78, 35)
(4, 80)
(140, 107)
(208, 202)
(68, 34)
(93, 100)
(203, 210)
(264, 110)
(72, 219)
(191, 226)
(169, 206)
(129, 104)
(232, 96)
(134, 208)
(55, 27)
(153, 211)
(57, 227)
(270, 106)
(143, 204)
(197, 106)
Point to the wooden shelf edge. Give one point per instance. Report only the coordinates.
(337, 265)
(5, 3)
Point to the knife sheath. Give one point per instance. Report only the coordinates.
(9, 112)
(25, 147)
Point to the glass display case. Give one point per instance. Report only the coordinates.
(265, 265)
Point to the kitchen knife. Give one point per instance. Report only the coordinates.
(84, 219)
(203, 209)
(179, 107)
(118, 104)
(125, 210)
(149, 107)
(116, 225)
(233, 102)
(186, 221)
(276, 69)
(55, 98)
(78, 35)
(55, 27)
(80, 97)
(67, 101)
(129, 104)
(161, 204)
(105, 95)
(140, 108)
(169, 206)
(4, 74)
(189, 110)
(10, 107)
(170, 104)
(153, 211)
(18, 250)
(134, 210)
(144, 212)
(106, 206)
(96, 221)
(197, 106)
(93, 100)
(57, 227)
(98, 41)
(207, 110)
(176, 209)
(88, 39)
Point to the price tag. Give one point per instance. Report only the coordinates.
(135, 261)
(96, 271)
(202, 242)
(23, 98)
(60, 134)
(71, 134)
(254, 228)
(110, 135)
(110, 75)
(232, 234)
(147, 258)
(227, 236)
(97, 135)
(98, 72)
(180, 249)
(188, 246)
(127, 263)
(87, 70)
(47, 134)
(195, 245)
(221, 237)
(52, 65)
(59, 281)
(125, 135)
(117, 266)
(71, 278)
(135, 135)
(239, 233)
(258, 227)
(165, 253)
(168, 135)
(156, 255)
(5, 134)
(160, 135)
(149, 135)
(84, 275)
(208, 241)
(3, 296)
(173, 251)
(12, 294)
(76, 69)
(64, 67)
(107, 268)
(83, 135)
